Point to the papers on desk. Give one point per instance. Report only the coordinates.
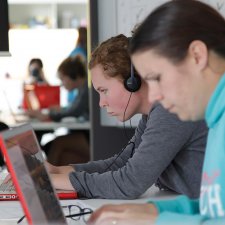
(10, 211)
(8, 222)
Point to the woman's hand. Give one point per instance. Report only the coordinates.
(59, 169)
(124, 214)
(38, 115)
(7, 179)
(51, 168)
(60, 176)
(61, 182)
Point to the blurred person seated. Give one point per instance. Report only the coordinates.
(74, 146)
(35, 77)
(35, 72)
(81, 45)
(72, 73)
(79, 50)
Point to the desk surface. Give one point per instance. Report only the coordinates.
(70, 123)
(11, 211)
(53, 125)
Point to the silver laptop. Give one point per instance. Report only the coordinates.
(30, 177)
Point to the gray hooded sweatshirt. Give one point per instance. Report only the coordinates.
(166, 152)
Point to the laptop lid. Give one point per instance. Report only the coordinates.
(33, 185)
(8, 192)
(41, 96)
(15, 117)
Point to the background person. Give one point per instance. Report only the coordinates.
(35, 76)
(72, 147)
(163, 151)
(35, 72)
(73, 74)
(180, 51)
(81, 46)
(79, 50)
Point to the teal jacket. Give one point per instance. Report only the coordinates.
(210, 207)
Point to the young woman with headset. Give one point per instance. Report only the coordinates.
(179, 51)
(163, 151)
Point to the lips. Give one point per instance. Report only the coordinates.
(111, 113)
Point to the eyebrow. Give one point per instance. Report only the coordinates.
(150, 75)
(100, 88)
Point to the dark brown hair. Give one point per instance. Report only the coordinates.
(73, 67)
(170, 29)
(113, 56)
(37, 61)
(82, 38)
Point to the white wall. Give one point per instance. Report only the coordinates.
(50, 45)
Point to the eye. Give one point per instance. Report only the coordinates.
(103, 91)
(157, 78)
(153, 77)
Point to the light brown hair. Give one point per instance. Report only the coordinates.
(113, 56)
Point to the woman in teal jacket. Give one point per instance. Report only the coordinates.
(179, 50)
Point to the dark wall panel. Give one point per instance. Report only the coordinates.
(4, 26)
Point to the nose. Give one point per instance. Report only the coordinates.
(154, 93)
(102, 102)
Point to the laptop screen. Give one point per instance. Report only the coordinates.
(41, 96)
(30, 176)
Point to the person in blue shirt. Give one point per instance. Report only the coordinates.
(81, 46)
(81, 51)
(179, 50)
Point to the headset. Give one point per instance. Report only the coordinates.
(133, 82)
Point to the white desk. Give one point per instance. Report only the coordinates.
(11, 211)
(151, 194)
(70, 123)
(53, 125)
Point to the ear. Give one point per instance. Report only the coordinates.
(199, 52)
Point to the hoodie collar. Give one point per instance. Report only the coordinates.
(216, 105)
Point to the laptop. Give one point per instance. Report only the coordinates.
(41, 96)
(15, 117)
(23, 157)
(30, 177)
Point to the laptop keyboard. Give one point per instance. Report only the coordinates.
(7, 187)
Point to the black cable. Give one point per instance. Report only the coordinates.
(124, 128)
(129, 142)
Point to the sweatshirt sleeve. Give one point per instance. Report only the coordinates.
(79, 107)
(182, 211)
(131, 175)
(181, 204)
(112, 163)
